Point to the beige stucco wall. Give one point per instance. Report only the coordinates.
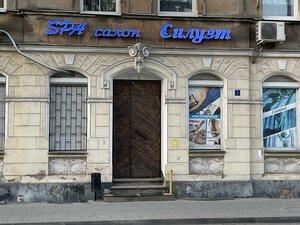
(26, 157)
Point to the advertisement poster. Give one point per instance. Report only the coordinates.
(279, 118)
(204, 117)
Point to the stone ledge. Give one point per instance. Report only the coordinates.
(67, 154)
(281, 154)
(175, 101)
(206, 153)
(100, 100)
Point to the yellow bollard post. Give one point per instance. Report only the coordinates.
(171, 182)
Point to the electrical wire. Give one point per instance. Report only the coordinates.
(29, 57)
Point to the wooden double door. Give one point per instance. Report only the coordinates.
(136, 129)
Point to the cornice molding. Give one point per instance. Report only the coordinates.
(154, 51)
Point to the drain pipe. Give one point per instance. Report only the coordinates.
(29, 57)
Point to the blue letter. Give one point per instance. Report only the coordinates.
(221, 34)
(135, 33)
(199, 36)
(163, 31)
(80, 29)
(189, 34)
(178, 33)
(210, 33)
(52, 25)
(115, 34)
(97, 32)
(125, 33)
(68, 25)
(106, 32)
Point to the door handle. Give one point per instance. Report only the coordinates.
(139, 133)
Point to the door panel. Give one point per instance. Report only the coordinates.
(122, 130)
(141, 124)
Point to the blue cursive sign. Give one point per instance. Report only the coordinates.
(167, 31)
(68, 27)
(196, 35)
(117, 33)
(60, 27)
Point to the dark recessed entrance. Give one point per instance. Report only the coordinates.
(136, 129)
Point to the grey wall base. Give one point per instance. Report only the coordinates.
(213, 189)
(276, 189)
(237, 189)
(51, 193)
(81, 192)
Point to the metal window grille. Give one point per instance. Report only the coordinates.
(176, 5)
(99, 5)
(2, 116)
(1, 3)
(68, 117)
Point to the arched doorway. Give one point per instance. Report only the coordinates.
(136, 126)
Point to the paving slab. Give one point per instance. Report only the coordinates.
(236, 211)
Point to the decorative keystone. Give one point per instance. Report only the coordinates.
(139, 52)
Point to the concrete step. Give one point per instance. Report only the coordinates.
(125, 187)
(138, 197)
(137, 181)
(138, 190)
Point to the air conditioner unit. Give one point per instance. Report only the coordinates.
(268, 31)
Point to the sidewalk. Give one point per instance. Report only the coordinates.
(254, 210)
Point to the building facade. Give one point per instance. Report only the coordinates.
(135, 89)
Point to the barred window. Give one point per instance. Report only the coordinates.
(2, 113)
(176, 5)
(279, 8)
(68, 116)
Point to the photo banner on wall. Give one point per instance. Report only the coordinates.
(204, 117)
(279, 118)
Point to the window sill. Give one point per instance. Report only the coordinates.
(281, 18)
(177, 14)
(101, 13)
(1, 153)
(206, 153)
(281, 154)
(67, 153)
